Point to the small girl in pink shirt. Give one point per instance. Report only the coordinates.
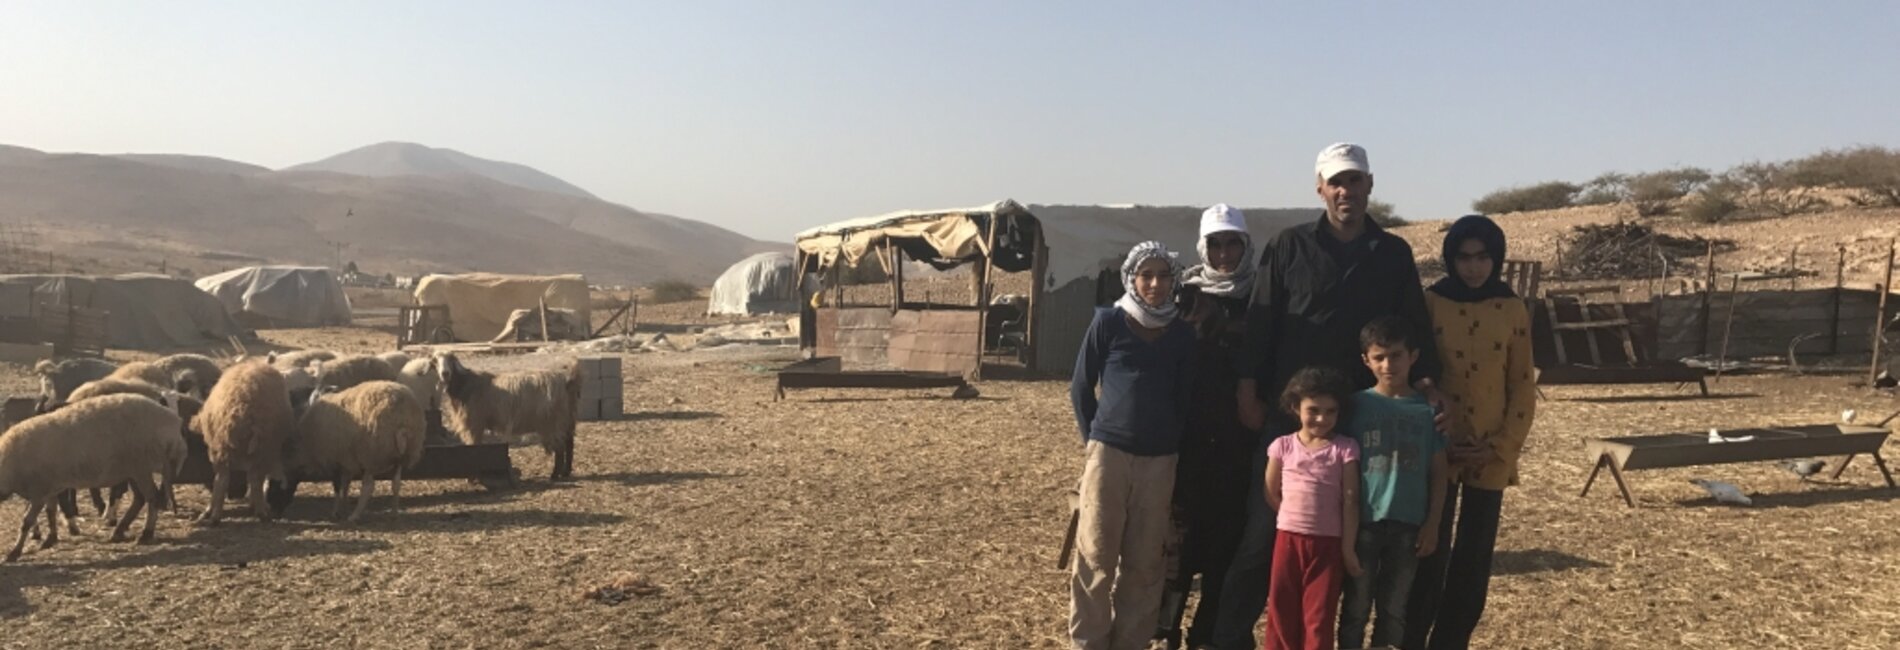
(1313, 483)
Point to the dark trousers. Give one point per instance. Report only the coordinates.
(1244, 592)
(1209, 508)
(1388, 551)
(1448, 592)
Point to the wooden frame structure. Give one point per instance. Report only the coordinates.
(1631, 369)
(1692, 449)
(1524, 277)
(423, 324)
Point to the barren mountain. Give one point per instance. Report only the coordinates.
(409, 159)
(90, 213)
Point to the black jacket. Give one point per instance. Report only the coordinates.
(1313, 295)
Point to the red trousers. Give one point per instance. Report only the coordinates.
(1303, 595)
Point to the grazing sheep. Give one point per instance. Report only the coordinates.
(143, 371)
(372, 428)
(419, 376)
(349, 371)
(300, 379)
(395, 358)
(192, 374)
(298, 359)
(476, 404)
(118, 386)
(101, 442)
(57, 380)
(244, 423)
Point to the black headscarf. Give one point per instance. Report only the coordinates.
(1481, 228)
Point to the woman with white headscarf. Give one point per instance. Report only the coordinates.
(1213, 470)
(1139, 355)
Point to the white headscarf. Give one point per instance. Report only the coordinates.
(1217, 219)
(1150, 316)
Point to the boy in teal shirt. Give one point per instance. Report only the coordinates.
(1402, 486)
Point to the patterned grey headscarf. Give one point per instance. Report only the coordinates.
(1144, 313)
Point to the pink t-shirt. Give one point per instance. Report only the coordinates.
(1312, 484)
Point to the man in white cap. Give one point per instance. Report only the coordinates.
(1319, 283)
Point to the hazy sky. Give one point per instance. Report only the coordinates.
(768, 117)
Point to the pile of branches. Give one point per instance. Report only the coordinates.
(1628, 250)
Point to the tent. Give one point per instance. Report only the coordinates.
(280, 296)
(480, 303)
(1074, 252)
(143, 311)
(765, 283)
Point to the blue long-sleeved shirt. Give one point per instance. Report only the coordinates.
(1145, 385)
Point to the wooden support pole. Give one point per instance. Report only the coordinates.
(1880, 319)
(1794, 274)
(545, 335)
(1708, 293)
(1728, 326)
(1834, 317)
(1038, 266)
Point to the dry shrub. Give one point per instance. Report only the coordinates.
(666, 291)
(1656, 193)
(1549, 195)
(1872, 172)
(1384, 214)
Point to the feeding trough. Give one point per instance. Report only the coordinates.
(1733, 446)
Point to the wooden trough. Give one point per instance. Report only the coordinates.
(826, 372)
(1773, 443)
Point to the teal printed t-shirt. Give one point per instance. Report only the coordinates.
(1396, 444)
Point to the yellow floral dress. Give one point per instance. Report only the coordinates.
(1489, 384)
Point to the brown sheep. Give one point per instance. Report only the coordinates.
(349, 371)
(244, 423)
(358, 433)
(476, 404)
(143, 371)
(192, 374)
(101, 442)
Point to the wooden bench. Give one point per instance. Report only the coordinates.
(1691, 449)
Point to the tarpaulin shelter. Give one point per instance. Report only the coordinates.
(480, 303)
(280, 296)
(143, 311)
(765, 283)
(1074, 251)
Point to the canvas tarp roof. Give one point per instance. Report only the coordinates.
(1082, 239)
(144, 311)
(479, 303)
(761, 284)
(281, 296)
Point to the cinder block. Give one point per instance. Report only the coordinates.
(612, 408)
(590, 410)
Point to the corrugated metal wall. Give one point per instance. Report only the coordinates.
(1062, 317)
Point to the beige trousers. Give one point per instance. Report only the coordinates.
(1116, 585)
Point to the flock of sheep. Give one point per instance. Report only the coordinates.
(101, 426)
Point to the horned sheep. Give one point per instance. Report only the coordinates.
(244, 423)
(476, 404)
(358, 433)
(99, 443)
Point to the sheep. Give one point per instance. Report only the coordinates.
(395, 358)
(118, 386)
(419, 376)
(192, 374)
(57, 380)
(99, 443)
(358, 433)
(349, 371)
(143, 371)
(477, 403)
(299, 379)
(298, 359)
(243, 423)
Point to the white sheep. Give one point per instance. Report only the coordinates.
(144, 371)
(298, 359)
(57, 380)
(419, 375)
(69, 506)
(373, 428)
(477, 404)
(101, 442)
(244, 423)
(395, 358)
(192, 374)
(352, 370)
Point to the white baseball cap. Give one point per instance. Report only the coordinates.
(1340, 157)
(1222, 218)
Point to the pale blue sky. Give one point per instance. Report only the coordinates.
(768, 117)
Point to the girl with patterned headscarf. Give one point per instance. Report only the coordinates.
(1130, 393)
